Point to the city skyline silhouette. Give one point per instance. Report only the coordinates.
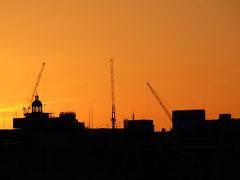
(187, 50)
(119, 90)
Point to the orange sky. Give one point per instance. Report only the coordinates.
(188, 50)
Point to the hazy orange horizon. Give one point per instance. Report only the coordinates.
(187, 50)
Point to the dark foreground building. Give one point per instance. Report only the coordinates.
(195, 149)
(39, 120)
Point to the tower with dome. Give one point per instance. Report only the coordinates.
(40, 120)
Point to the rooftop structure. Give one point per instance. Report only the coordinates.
(38, 119)
(187, 119)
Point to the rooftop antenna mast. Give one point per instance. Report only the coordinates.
(26, 110)
(113, 97)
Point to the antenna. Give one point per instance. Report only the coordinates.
(92, 117)
(89, 118)
(4, 120)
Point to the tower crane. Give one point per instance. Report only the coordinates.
(26, 110)
(160, 102)
(113, 97)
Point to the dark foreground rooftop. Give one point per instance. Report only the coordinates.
(43, 147)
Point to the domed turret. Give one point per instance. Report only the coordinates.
(37, 105)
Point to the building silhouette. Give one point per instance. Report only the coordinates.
(38, 119)
(44, 147)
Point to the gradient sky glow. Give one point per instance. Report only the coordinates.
(189, 50)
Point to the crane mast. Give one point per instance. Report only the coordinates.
(113, 97)
(159, 101)
(26, 110)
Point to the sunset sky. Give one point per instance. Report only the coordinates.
(189, 51)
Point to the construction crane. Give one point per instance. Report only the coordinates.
(113, 98)
(26, 110)
(160, 102)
